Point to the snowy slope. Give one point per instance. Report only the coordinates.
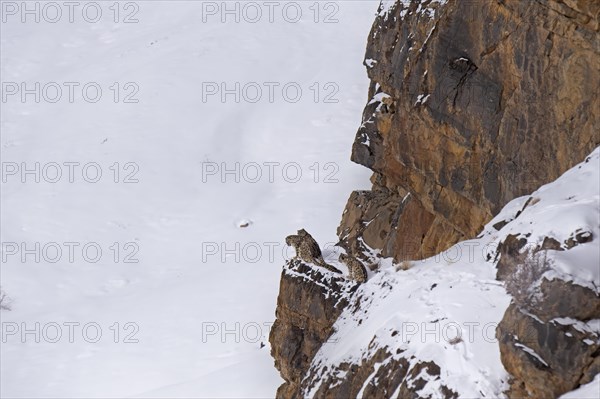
(446, 308)
(588, 391)
(176, 293)
(560, 210)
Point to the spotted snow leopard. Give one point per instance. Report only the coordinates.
(308, 250)
(356, 269)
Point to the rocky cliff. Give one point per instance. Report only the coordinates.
(311, 300)
(512, 313)
(473, 105)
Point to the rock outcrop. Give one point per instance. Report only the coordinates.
(471, 104)
(549, 342)
(309, 302)
(547, 358)
(535, 286)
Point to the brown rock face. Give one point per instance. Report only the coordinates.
(472, 103)
(309, 302)
(547, 346)
(546, 359)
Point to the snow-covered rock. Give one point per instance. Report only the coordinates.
(447, 327)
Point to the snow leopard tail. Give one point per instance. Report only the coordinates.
(327, 266)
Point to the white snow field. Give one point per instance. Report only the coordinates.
(140, 282)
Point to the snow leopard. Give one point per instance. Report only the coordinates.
(308, 250)
(356, 269)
